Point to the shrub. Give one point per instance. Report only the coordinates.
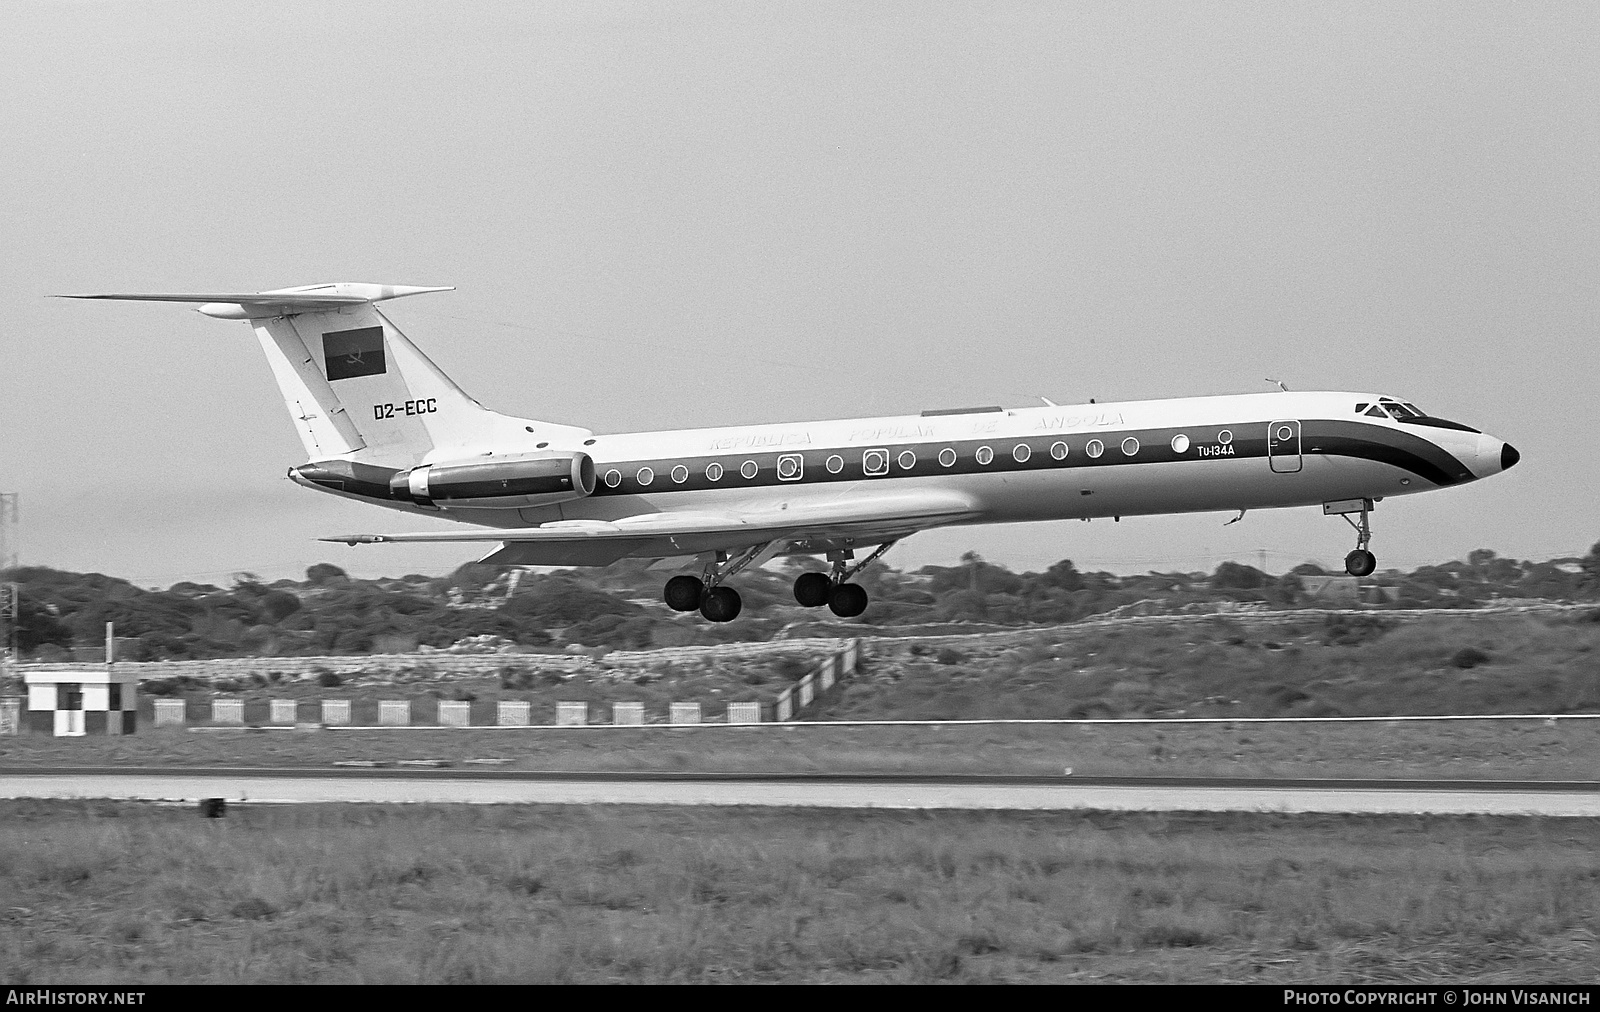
(327, 679)
(1469, 657)
(1353, 630)
(253, 908)
(949, 655)
(790, 669)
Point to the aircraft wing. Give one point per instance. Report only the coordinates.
(802, 527)
(306, 300)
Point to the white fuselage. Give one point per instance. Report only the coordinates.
(1250, 451)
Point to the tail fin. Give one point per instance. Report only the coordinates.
(357, 388)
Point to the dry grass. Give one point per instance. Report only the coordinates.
(1568, 750)
(1363, 665)
(128, 893)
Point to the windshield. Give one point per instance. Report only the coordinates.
(1405, 411)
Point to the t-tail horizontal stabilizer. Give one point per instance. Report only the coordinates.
(279, 302)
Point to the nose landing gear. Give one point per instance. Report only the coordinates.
(1359, 562)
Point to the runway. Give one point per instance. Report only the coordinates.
(1569, 799)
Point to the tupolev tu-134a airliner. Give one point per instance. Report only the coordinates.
(382, 424)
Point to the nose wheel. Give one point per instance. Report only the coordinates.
(1359, 562)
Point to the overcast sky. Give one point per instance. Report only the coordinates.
(679, 214)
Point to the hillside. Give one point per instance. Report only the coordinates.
(62, 615)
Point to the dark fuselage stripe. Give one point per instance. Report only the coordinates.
(1154, 446)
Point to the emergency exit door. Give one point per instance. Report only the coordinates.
(1283, 445)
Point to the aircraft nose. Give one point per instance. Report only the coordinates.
(1492, 456)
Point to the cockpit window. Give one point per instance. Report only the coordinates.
(1410, 414)
(1362, 406)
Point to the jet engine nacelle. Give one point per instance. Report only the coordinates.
(512, 483)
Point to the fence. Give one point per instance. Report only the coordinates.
(229, 711)
(684, 713)
(513, 713)
(627, 713)
(817, 681)
(394, 713)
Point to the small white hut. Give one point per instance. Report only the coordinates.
(68, 702)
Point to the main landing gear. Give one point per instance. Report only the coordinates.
(706, 593)
(722, 604)
(1359, 562)
(834, 589)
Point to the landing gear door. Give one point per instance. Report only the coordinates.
(1283, 445)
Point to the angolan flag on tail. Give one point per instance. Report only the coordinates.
(350, 353)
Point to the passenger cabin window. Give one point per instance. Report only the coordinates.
(947, 456)
(984, 455)
(749, 468)
(713, 472)
(680, 474)
(835, 464)
(613, 478)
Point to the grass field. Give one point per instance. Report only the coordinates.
(1364, 664)
(1567, 750)
(126, 893)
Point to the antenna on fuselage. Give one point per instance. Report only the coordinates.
(1281, 385)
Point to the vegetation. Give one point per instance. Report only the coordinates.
(63, 614)
(539, 894)
(1499, 750)
(1317, 666)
